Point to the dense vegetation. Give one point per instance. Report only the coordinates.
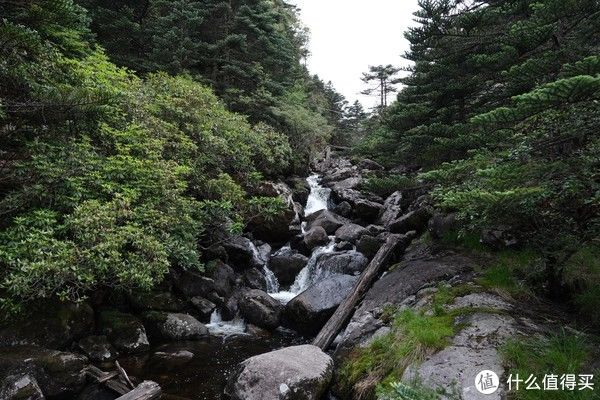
(499, 115)
(117, 164)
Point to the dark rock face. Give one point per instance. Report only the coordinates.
(240, 253)
(350, 233)
(173, 326)
(368, 245)
(97, 348)
(300, 189)
(260, 309)
(327, 220)
(370, 165)
(348, 262)
(367, 210)
(316, 236)
(343, 246)
(162, 301)
(171, 355)
(499, 238)
(54, 325)
(392, 209)
(223, 277)
(203, 307)
(255, 279)
(192, 284)
(413, 221)
(273, 229)
(125, 332)
(57, 373)
(344, 209)
(20, 386)
(403, 281)
(348, 183)
(310, 310)
(287, 266)
(292, 373)
(441, 224)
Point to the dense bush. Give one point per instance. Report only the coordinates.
(108, 179)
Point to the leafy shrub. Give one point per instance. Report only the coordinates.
(386, 185)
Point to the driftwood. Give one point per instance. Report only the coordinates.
(147, 390)
(366, 280)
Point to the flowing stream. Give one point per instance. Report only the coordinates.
(204, 376)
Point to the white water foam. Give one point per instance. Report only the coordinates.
(218, 327)
(318, 197)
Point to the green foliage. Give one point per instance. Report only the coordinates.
(559, 354)
(581, 273)
(386, 185)
(109, 179)
(402, 391)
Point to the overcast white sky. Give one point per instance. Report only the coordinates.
(346, 36)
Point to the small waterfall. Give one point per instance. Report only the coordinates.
(270, 278)
(307, 276)
(218, 327)
(318, 197)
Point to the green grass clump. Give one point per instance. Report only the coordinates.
(559, 354)
(413, 336)
(509, 270)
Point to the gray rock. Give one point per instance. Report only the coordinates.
(441, 224)
(171, 355)
(260, 309)
(499, 238)
(203, 307)
(481, 300)
(286, 266)
(240, 253)
(350, 232)
(348, 262)
(274, 228)
(223, 277)
(343, 246)
(124, 331)
(348, 183)
(344, 209)
(254, 279)
(368, 245)
(367, 210)
(375, 230)
(192, 284)
(370, 165)
(327, 220)
(315, 236)
(97, 348)
(474, 349)
(162, 301)
(292, 373)
(413, 221)
(54, 325)
(300, 189)
(58, 374)
(310, 310)
(20, 386)
(392, 209)
(173, 326)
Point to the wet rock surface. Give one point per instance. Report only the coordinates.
(310, 310)
(164, 326)
(260, 309)
(346, 262)
(125, 331)
(286, 266)
(298, 373)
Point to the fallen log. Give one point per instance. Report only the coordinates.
(393, 245)
(147, 390)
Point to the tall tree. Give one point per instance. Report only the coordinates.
(385, 80)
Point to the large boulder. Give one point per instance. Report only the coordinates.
(367, 210)
(273, 228)
(125, 331)
(310, 310)
(300, 189)
(287, 265)
(441, 224)
(349, 233)
(292, 373)
(58, 374)
(347, 262)
(349, 183)
(499, 238)
(162, 301)
(315, 236)
(173, 326)
(413, 221)
(370, 165)
(241, 253)
(254, 278)
(368, 245)
(223, 277)
(192, 284)
(97, 348)
(392, 209)
(344, 209)
(260, 309)
(326, 220)
(53, 325)
(20, 386)
(204, 308)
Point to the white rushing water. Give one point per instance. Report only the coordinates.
(317, 200)
(218, 327)
(318, 197)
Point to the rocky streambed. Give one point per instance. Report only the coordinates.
(241, 330)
